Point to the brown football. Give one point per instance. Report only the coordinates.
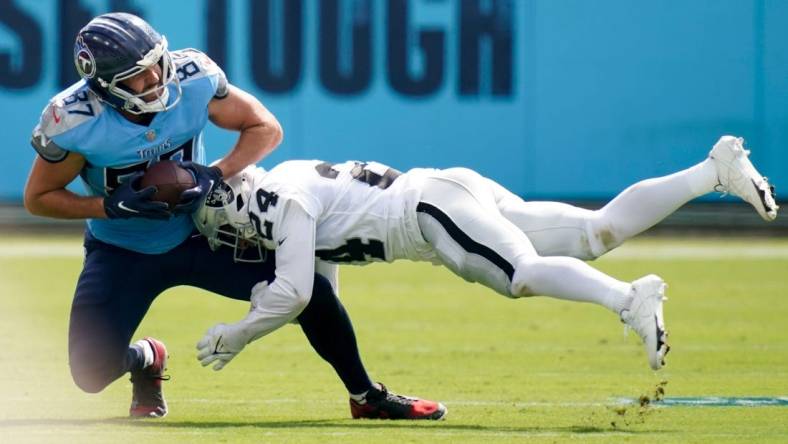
(170, 180)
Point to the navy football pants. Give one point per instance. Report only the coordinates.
(117, 286)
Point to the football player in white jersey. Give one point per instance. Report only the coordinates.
(362, 212)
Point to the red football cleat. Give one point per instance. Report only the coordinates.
(382, 404)
(148, 400)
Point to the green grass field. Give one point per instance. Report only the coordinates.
(539, 370)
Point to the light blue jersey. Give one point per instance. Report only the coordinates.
(115, 148)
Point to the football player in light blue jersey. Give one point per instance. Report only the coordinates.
(136, 104)
(119, 146)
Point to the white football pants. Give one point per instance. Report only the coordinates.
(558, 229)
(486, 234)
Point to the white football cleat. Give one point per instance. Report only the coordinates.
(737, 176)
(644, 315)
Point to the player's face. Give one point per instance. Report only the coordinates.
(147, 80)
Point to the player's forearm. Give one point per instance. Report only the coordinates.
(254, 143)
(289, 293)
(63, 204)
(272, 307)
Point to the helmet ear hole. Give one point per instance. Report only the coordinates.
(239, 202)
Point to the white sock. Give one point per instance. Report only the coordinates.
(147, 351)
(573, 280)
(361, 398)
(646, 203)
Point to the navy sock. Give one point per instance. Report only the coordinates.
(135, 359)
(327, 326)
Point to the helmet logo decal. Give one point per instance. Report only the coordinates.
(86, 64)
(221, 195)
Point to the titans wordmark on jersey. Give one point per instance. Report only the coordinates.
(364, 212)
(114, 148)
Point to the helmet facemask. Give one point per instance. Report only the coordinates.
(134, 103)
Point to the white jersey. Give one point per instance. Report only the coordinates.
(363, 212)
(345, 213)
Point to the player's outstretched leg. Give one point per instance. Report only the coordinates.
(459, 220)
(148, 400)
(639, 304)
(737, 176)
(558, 229)
(379, 403)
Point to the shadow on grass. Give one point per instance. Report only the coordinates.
(315, 424)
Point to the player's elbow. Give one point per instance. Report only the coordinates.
(269, 130)
(300, 301)
(287, 297)
(275, 132)
(32, 202)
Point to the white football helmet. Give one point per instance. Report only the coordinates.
(224, 218)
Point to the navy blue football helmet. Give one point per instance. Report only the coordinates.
(116, 46)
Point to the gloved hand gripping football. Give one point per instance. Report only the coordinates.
(127, 202)
(206, 177)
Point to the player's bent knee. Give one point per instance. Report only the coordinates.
(522, 279)
(90, 381)
(93, 368)
(600, 238)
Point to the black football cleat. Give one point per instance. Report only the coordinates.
(148, 400)
(382, 404)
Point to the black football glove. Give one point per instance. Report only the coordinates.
(126, 202)
(205, 177)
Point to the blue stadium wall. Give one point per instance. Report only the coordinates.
(565, 99)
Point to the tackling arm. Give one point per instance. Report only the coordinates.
(273, 305)
(260, 131)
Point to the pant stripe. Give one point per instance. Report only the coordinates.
(470, 245)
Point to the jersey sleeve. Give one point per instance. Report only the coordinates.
(295, 251)
(194, 64)
(47, 127)
(281, 301)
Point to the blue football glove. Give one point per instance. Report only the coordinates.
(126, 202)
(206, 177)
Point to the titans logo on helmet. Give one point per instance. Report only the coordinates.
(86, 64)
